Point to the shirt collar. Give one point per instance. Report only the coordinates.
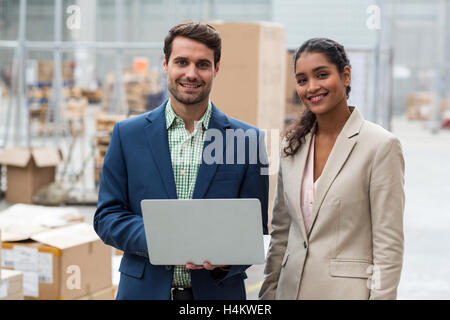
(171, 116)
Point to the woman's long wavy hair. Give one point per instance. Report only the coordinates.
(335, 53)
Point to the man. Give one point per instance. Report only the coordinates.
(158, 155)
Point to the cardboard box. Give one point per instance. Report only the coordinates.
(115, 288)
(104, 127)
(419, 106)
(64, 263)
(116, 260)
(75, 113)
(143, 88)
(105, 294)
(93, 96)
(11, 285)
(251, 83)
(28, 169)
(104, 122)
(20, 222)
(45, 71)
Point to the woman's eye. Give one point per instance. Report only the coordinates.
(323, 75)
(301, 81)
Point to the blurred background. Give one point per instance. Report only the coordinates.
(70, 69)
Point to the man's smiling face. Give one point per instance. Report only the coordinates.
(190, 71)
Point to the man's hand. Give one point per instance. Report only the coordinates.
(206, 265)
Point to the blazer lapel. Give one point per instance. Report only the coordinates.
(298, 168)
(157, 139)
(342, 148)
(206, 171)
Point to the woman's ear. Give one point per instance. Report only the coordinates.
(347, 76)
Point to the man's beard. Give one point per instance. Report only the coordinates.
(187, 99)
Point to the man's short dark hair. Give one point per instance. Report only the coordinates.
(197, 31)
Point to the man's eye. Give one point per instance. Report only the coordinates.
(180, 62)
(323, 75)
(203, 65)
(301, 81)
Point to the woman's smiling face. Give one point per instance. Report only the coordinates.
(320, 85)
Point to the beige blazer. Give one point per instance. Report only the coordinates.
(354, 249)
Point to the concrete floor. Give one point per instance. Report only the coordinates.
(426, 270)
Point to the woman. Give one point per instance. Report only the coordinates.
(337, 226)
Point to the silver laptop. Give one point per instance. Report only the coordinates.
(221, 231)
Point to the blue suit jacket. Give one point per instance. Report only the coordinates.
(138, 166)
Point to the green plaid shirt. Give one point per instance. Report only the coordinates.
(186, 154)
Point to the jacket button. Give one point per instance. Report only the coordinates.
(168, 267)
(305, 245)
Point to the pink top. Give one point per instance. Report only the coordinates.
(308, 187)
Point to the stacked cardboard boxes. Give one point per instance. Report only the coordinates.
(69, 262)
(253, 70)
(93, 96)
(419, 106)
(75, 112)
(19, 221)
(143, 90)
(38, 99)
(11, 285)
(45, 71)
(11, 282)
(40, 92)
(251, 83)
(39, 95)
(43, 91)
(104, 128)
